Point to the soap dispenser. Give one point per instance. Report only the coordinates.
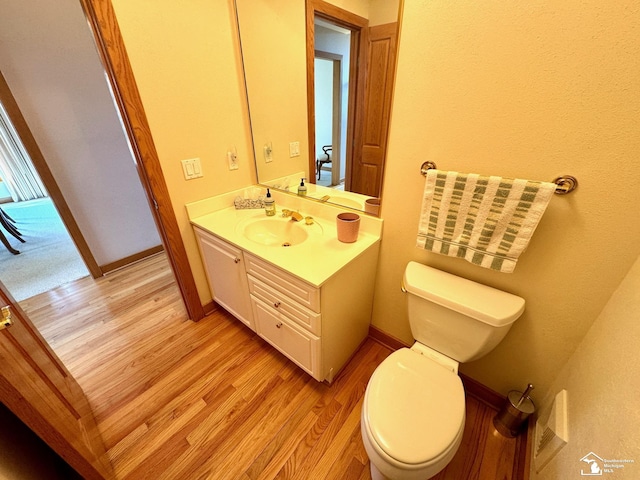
(302, 188)
(269, 205)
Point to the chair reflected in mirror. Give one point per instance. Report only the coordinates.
(323, 159)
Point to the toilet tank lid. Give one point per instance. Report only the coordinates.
(484, 303)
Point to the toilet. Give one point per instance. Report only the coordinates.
(413, 411)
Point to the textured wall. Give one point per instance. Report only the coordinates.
(528, 90)
(603, 385)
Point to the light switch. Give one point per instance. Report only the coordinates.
(191, 168)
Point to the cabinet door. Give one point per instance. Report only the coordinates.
(224, 265)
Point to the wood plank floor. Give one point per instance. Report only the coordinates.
(176, 399)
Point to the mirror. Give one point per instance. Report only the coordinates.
(290, 123)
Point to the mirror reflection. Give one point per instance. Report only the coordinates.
(314, 115)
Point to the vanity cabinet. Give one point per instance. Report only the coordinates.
(224, 266)
(318, 327)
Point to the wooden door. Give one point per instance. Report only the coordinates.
(40, 391)
(368, 161)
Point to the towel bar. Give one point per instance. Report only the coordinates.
(565, 183)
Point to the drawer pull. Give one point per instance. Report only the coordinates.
(236, 260)
(279, 325)
(276, 304)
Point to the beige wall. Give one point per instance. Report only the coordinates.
(187, 65)
(603, 387)
(529, 90)
(359, 7)
(275, 62)
(383, 11)
(185, 57)
(520, 90)
(376, 11)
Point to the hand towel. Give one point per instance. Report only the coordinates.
(486, 220)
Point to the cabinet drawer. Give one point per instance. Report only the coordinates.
(300, 347)
(293, 287)
(281, 303)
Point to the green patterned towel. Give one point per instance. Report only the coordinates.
(488, 221)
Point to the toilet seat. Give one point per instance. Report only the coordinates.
(414, 409)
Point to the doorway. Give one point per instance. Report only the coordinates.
(47, 257)
(150, 177)
(330, 114)
(336, 34)
(371, 70)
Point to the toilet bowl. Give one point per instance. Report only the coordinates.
(413, 412)
(412, 417)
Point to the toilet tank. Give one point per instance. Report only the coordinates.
(459, 318)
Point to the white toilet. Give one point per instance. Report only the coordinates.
(414, 409)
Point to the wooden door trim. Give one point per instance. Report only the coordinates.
(112, 51)
(79, 445)
(39, 371)
(38, 424)
(40, 164)
(357, 69)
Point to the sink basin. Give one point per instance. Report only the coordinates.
(275, 232)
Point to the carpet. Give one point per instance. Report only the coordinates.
(47, 259)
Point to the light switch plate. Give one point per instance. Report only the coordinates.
(294, 149)
(191, 168)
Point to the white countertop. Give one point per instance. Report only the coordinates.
(315, 260)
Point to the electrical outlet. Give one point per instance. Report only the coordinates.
(294, 149)
(232, 158)
(268, 153)
(191, 168)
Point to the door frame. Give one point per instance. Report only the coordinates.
(357, 74)
(111, 49)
